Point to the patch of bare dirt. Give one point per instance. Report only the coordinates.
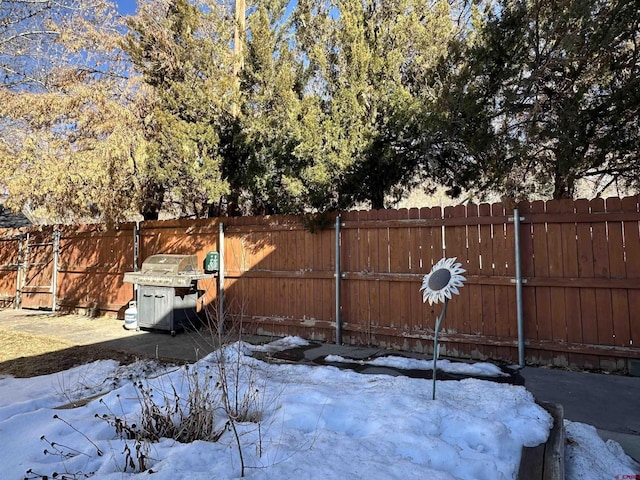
(25, 355)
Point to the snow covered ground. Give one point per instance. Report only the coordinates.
(315, 423)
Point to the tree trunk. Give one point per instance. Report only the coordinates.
(150, 215)
(233, 201)
(377, 198)
(564, 187)
(152, 202)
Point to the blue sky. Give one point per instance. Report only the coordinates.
(126, 7)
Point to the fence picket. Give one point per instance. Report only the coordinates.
(349, 262)
(601, 270)
(619, 298)
(558, 321)
(415, 267)
(632, 250)
(472, 267)
(570, 268)
(584, 242)
(375, 315)
(505, 318)
(541, 270)
(486, 268)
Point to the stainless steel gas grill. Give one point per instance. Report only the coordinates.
(167, 292)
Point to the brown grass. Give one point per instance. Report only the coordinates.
(26, 355)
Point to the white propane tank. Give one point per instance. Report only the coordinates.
(131, 316)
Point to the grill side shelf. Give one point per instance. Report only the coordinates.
(163, 280)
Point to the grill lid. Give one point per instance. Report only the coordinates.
(166, 264)
(168, 271)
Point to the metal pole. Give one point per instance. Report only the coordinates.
(516, 227)
(338, 275)
(19, 271)
(221, 277)
(136, 246)
(136, 257)
(25, 265)
(56, 262)
(436, 347)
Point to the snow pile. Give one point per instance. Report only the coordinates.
(316, 423)
(478, 369)
(588, 457)
(280, 345)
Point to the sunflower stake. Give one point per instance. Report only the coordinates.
(443, 280)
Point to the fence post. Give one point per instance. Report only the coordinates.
(221, 277)
(136, 246)
(16, 304)
(136, 256)
(338, 275)
(56, 262)
(519, 315)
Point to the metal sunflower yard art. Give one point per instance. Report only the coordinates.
(438, 285)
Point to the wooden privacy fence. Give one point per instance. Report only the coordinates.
(580, 271)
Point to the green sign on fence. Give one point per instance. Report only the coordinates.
(212, 262)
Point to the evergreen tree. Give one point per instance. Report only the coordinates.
(368, 62)
(549, 94)
(260, 159)
(181, 48)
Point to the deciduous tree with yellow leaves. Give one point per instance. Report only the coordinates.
(71, 117)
